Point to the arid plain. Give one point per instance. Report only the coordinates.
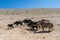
(8, 16)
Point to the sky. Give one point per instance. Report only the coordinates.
(29, 3)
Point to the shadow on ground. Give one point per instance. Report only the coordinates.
(35, 31)
(30, 30)
(42, 32)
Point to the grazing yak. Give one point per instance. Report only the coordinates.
(27, 21)
(17, 23)
(10, 26)
(33, 25)
(46, 24)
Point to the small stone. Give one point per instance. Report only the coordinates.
(43, 37)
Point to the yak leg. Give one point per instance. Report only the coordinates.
(43, 28)
(36, 28)
(10, 27)
(51, 29)
(32, 28)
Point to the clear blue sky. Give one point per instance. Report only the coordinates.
(29, 3)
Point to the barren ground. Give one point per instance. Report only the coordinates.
(20, 33)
